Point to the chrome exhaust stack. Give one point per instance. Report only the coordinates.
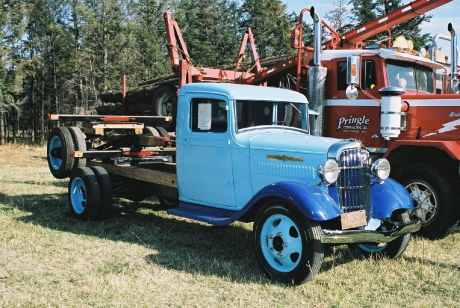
(453, 81)
(316, 80)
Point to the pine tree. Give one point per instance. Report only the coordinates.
(367, 10)
(149, 43)
(270, 24)
(339, 17)
(208, 30)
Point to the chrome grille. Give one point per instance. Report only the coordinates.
(354, 181)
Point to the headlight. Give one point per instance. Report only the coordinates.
(381, 169)
(328, 171)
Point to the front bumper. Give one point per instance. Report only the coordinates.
(368, 236)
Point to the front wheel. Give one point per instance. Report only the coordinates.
(287, 245)
(433, 197)
(391, 250)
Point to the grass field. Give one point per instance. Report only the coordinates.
(142, 257)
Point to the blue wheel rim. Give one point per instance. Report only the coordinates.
(281, 243)
(78, 195)
(55, 162)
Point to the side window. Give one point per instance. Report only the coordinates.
(342, 76)
(208, 115)
(368, 75)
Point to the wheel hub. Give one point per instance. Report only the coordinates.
(56, 152)
(425, 200)
(278, 243)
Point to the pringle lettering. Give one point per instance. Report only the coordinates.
(353, 121)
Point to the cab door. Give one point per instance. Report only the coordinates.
(204, 156)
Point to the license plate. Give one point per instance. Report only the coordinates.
(353, 219)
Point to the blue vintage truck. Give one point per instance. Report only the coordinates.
(241, 153)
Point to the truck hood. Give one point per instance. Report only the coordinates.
(284, 155)
(291, 141)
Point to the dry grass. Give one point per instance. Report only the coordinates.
(142, 257)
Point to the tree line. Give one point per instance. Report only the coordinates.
(57, 56)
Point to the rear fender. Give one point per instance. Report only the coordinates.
(387, 197)
(314, 203)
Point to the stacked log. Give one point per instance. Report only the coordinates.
(138, 100)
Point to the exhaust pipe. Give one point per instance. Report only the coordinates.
(453, 62)
(317, 36)
(316, 80)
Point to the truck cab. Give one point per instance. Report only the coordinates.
(244, 153)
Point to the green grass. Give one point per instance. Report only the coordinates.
(142, 257)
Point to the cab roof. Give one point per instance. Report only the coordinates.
(244, 92)
(382, 52)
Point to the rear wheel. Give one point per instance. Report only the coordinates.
(106, 193)
(287, 245)
(433, 197)
(168, 202)
(60, 143)
(80, 145)
(84, 194)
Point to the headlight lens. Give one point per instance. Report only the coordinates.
(381, 169)
(328, 171)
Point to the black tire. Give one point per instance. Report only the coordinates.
(105, 186)
(60, 143)
(149, 130)
(163, 133)
(433, 197)
(168, 202)
(287, 245)
(391, 250)
(84, 194)
(164, 103)
(80, 145)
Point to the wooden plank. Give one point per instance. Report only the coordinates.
(75, 117)
(138, 173)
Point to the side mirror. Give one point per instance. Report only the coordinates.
(353, 76)
(353, 70)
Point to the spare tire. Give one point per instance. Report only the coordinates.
(164, 103)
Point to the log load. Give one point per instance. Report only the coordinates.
(138, 100)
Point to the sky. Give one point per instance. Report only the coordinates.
(447, 13)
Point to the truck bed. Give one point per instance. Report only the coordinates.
(161, 177)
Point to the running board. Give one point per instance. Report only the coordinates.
(211, 215)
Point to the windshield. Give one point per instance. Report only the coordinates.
(410, 77)
(257, 113)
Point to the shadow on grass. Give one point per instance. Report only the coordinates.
(176, 243)
(423, 261)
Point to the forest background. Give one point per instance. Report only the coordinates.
(57, 56)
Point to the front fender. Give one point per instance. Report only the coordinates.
(314, 203)
(387, 197)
